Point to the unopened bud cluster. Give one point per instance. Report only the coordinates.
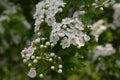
(38, 53)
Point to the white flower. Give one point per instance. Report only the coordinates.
(37, 40)
(61, 33)
(38, 22)
(54, 38)
(79, 33)
(86, 37)
(80, 42)
(52, 11)
(56, 27)
(50, 20)
(39, 14)
(66, 21)
(79, 25)
(70, 32)
(32, 73)
(28, 52)
(65, 43)
(73, 40)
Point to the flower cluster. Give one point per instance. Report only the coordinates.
(31, 58)
(116, 16)
(106, 50)
(69, 31)
(46, 11)
(98, 28)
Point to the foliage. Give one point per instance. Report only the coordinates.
(60, 40)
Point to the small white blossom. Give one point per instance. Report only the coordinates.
(32, 73)
(54, 38)
(73, 40)
(56, 26)
(80, 42)
(65, 43)
(50, 20)
(86, 38)
(37, 40)
(28, 51)
(61, 33)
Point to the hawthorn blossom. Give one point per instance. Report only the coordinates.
(106, 50)
(50, 20)
(86, 38)
(65, 43)
(46, 11)
(32, 73)
(56, 26)
(27, 52)
(69, 32)
(98, 28)
(54, 38)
